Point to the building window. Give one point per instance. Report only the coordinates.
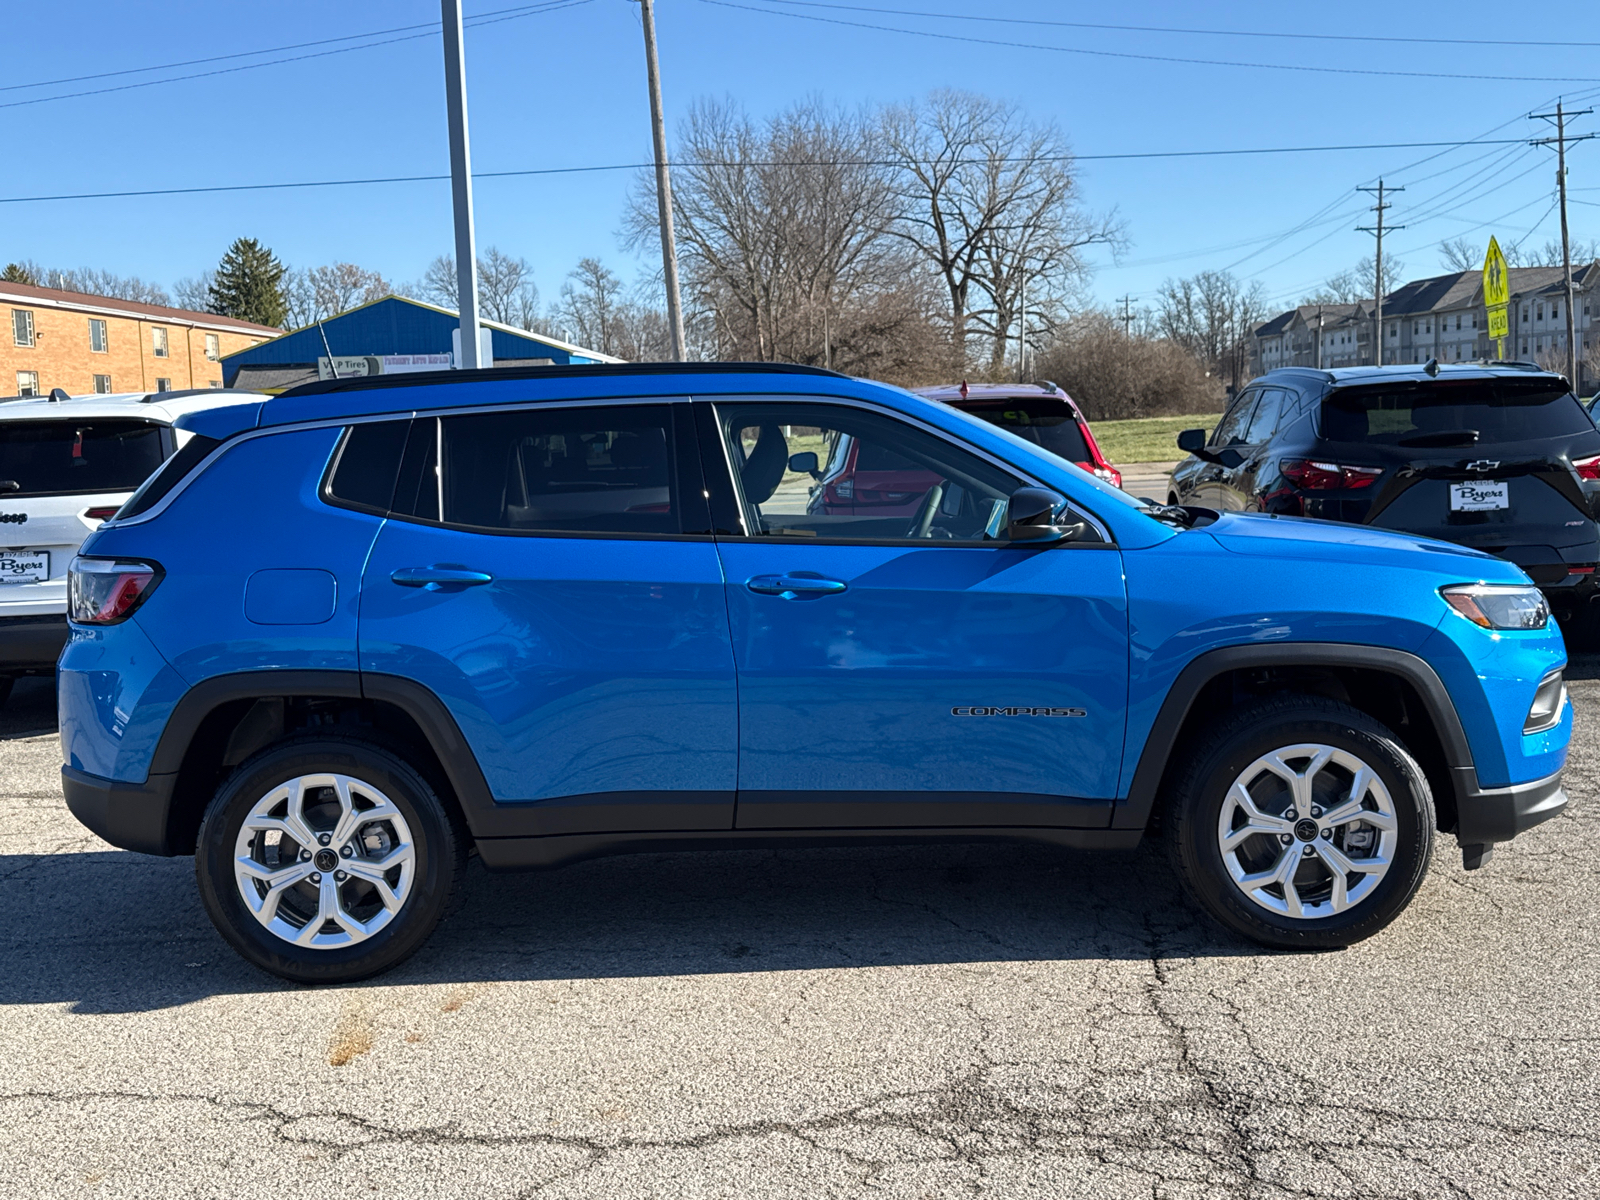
(158, 341)
(102, 384)
(1555, 312)
(97, 335)
(27, 383)
(22, 326)
(163, 385)
(213, 347)
(216, 383)
(1524, 314)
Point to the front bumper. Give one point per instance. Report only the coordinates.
(132, 816)
(1488, 815)
(31, 645)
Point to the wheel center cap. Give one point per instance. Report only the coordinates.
(327, 860)
(1305, 829)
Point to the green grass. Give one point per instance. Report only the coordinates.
(1147, 439)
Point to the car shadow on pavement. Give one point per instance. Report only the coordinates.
(119, 932)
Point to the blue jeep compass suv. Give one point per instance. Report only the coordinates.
(349, 634)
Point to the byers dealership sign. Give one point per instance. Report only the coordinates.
(384, 364)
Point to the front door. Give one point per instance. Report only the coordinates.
(549, 574)
(899, 663)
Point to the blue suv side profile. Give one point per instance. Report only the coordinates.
(352, 634)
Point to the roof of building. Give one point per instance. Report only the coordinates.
(1332, 314)
(83, 301)
(401, 325)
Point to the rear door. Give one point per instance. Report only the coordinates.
(906, 668)
(549, 574)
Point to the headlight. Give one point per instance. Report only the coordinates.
(104, 591)
(1499, 606)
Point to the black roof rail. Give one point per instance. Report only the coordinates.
(587, 371)
(158, 397)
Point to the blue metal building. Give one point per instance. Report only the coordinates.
(393, 325)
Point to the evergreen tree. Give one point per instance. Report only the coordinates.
(16, 273)
(249, 284)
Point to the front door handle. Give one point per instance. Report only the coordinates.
(798, 585)
(439, 579)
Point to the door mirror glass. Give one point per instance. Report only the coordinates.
(1192, 441)
(1039, 515)
(804, 463)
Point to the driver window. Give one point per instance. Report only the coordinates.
(821, 470)
(1231, 428)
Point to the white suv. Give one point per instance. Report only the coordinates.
(66, 464)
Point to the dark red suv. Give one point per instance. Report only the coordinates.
(1040, 412)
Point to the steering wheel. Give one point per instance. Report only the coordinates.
(922, 524)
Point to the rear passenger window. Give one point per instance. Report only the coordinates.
(367, 465)
(566, 470)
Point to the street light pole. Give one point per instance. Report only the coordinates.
(658, 136)
(455, 95)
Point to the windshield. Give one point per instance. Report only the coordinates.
(1044, 422)
(1452, 413)
(65, 458)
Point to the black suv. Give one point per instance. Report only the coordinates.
(1499, 457)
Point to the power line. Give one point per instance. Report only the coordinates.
(1255, 33)
(431, 32)
(633, 166)
(1161, 58)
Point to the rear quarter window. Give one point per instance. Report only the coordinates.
(1047, 423)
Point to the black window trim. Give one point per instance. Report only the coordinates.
(728, 485)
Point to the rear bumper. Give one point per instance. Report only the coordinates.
(1488, 815)
(132, 816)
(31, 645)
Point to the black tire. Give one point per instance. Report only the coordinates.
(1226, 749)
(440, 850)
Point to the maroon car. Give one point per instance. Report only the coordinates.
(1040, 412)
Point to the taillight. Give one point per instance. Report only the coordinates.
(104, 591)
(1110, 474)
(1322, 476)
(1587, 468)
(101, 514)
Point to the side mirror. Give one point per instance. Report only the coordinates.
(1192, 441)
(1037, 515)
(804, 463)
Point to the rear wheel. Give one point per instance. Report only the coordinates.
(324, 860)
(1301, 823)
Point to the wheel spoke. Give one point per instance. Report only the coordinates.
(1280, 872)
(1351, 810)
(374, 875)
(1250, 829)
(1342, 864)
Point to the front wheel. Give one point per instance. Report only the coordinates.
(326, 860)
(1301, 823)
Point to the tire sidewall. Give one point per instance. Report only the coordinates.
(431, 834)
(1202, 856)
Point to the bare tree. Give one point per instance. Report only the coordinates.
(1519, 254)
(506, 291)
(1458, 254)
(1114, 374)
(92, 281)
(592, 305)
(193, 292)
(782, 228)
(1347, 287)
(989, 202)
(1211, 315)
(317, 293)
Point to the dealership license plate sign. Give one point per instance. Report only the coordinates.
(24, 566)
(1479, 496)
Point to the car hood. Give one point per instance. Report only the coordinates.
(1268, 534)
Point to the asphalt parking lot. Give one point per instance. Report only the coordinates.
(909, 1022)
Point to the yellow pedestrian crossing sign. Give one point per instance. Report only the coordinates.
(1496, 295)
(1496, 277)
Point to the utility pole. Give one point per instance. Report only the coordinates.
(455, 96)
(1378, 229)
(1559, 119)
(1319, 337)
(658, 135)
(1127, 315)
(1022, 335)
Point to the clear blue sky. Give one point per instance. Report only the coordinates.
(566, 88)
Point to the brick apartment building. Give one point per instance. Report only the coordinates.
(56, 339)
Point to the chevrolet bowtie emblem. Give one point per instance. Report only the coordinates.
(1483, 464)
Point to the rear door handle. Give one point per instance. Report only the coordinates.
(799, 585)
(439, 579)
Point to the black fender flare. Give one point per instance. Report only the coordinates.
(1134, 811)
